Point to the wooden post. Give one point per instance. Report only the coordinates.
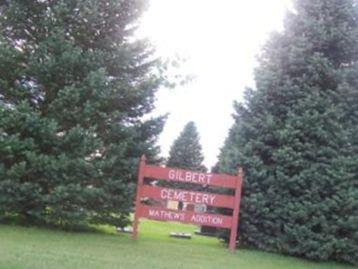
(235, 214)
(138, 196)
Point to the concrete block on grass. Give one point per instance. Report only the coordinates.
(180, 235)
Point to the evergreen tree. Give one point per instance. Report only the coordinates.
(186, 151)
(74, 85)
(296, 137)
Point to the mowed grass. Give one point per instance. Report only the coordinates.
(37, 248)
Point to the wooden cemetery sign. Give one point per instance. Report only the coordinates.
(188, 196)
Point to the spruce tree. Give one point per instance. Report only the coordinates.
(296, 137)
(186, 151)
(74, 86)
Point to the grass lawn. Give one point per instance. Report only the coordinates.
(35, 248)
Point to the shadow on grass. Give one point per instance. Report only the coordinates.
(17, 220)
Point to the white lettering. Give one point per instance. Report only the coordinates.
(201, 178)
(212, 198)
(193, 178)
(187, 176)
(187, 196)
(171, 174)
(164, 194)
(180, 176)
(205, 199)
(173, 216)
(206, 219)
(153, 213)
(209, 178)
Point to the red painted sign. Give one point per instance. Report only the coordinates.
(179, 175)
(188, 196)
(158, 213)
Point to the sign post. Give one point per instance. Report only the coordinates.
(235, 214)
(188, 196)
(141, 170)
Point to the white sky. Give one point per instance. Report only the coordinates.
(220, 39)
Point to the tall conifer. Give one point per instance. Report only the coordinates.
(186, 151)
(296, 137)
(74, 85)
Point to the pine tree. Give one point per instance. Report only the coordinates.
(74, 85)
(296, 137)
(186, 151)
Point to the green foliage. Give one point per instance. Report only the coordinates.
(74, 85)
(296, 137)
(186, 153)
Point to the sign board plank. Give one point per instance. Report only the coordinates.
(158, 213)
(180, 175)
(188, 196)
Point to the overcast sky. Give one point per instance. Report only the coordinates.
(220, 39)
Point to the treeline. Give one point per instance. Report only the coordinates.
(296, 136)
(74, 85)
